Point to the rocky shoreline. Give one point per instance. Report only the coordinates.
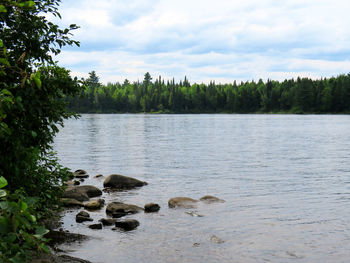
(88, 197)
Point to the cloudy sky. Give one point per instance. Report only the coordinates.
(221, 40)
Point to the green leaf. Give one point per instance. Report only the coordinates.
(2, 10)
(3, 182)
(40, 231)
(37, 82)
(34, 134)
(2, 193)
(4, 61)
(23, 206)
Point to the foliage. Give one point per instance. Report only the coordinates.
(32, 107)
(20, 233)
(294, 96)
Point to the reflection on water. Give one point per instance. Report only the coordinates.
(285, 179)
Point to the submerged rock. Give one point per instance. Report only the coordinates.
(83, 216)
(118, 181)
(183, 202)
(128, 224)
(117, 207)
(95, 204)
(151, 207)
(216, 239)
(211, 199)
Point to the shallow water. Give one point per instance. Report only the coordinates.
(285, 179)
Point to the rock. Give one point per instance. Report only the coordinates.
(98, 176)
(108, 221)
(184, 202)
(117, 207)
(128, 224)
(80, 171)
(95, 204)
(193, 213)
(69, 202)
(60, 237)
(122, 182)
(83, 216)
(151, 207)
(82, 192)
(80, 174)
(119, 214)
(216, 239)
(76, 182)
(96, 226)
(211, 199)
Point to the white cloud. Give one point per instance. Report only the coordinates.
(219, 40)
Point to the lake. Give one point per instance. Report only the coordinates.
(285, 180)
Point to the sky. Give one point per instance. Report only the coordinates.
(220, 40)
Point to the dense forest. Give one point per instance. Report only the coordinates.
(302, 95)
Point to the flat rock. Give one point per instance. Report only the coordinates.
(128, 224)
(183, 202)
(118, 181)
(211, 199)
(96, 226)
(95, 204)
(117, 207)
(69, 202)
(151, 207)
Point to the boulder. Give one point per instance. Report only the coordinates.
(211, 199)
(128, 224)
(107, 221)
(122, 182)
(151, 207)
(80, 171)
(117, 207)
(80, 174)
(183, 202)
(96, 226)
(95, 204)
(82, 192)
(69, 202)
(83, 216)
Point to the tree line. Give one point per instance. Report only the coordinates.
(301, 95)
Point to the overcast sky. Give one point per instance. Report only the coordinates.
(221, 40)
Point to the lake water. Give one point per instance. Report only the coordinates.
(285, 179)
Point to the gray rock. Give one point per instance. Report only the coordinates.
(128, 224)
(151, 207)
(117, 207)
(183, 202)
(122, 182)
(211, 199)
(83, 216)
(96, 226)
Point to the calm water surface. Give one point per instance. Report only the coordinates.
(285, 179)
